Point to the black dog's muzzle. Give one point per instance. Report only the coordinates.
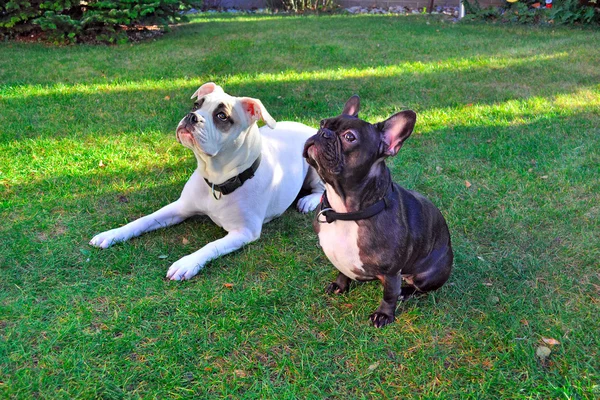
(326, 133)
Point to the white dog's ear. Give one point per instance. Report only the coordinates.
(207, 88)
(255, 110)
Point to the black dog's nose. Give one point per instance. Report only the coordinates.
(326, 133)
(191, 118)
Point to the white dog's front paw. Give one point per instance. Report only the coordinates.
(309, 203)
(106, 239)
(184, 269)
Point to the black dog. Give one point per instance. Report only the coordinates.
(368, 226)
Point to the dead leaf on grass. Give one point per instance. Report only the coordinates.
(228, 285)
(101, 164)
(184, 241)
(550, 341)
(373, 366)
(468, 184)
(240, 373)
(543, 352)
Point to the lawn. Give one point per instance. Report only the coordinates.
(506, 145)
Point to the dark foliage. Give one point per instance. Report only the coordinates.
(533, 11)
(93, 20)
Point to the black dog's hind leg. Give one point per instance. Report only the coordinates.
(392, 287)
(341, 285)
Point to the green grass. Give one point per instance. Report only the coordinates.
(513, 110)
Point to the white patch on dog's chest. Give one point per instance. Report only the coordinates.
(339, 241)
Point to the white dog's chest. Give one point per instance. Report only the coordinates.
(339, 241)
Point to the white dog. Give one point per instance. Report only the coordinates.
(246, 176)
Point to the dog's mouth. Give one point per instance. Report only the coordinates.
(184, 134)
(310, 150)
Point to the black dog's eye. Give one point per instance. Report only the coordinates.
(195, 106)
(322, 123)
(222, 116)
(349, 136)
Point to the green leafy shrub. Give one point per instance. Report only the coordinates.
(102, 20)
(563, 12)
(575, 11)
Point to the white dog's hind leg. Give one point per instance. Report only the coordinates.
(190, 265)
(316, 186)
(170, 214)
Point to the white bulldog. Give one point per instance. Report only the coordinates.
(246, 176)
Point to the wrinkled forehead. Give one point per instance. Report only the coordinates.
(217, 100)
(347, 122)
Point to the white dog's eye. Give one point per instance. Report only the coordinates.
(222, 116)
(349, 136)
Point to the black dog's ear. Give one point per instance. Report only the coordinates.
(352, 106)
(395, 130)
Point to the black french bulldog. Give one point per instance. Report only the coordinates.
(369, 227)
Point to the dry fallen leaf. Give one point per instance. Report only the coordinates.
(184, 241)
(550, 341)
(347, 305)
(544, 177)
(439, 169)
(525, 322)
(167, 97)
(240, 373)
(543, 352)
(101, 164)
(228, 285)
(373, 366)
(467, 184)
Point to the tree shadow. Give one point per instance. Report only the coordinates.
(130, 110)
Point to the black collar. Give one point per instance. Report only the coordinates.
(374, 209)
(230, 185)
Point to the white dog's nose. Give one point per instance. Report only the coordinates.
(191, 118)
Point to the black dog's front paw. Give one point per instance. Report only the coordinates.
(334, 288)
(379, 319)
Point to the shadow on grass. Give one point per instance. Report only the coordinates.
(118, 110)
(505, 165)
(219, 48)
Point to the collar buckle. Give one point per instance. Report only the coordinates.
(324, 210)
